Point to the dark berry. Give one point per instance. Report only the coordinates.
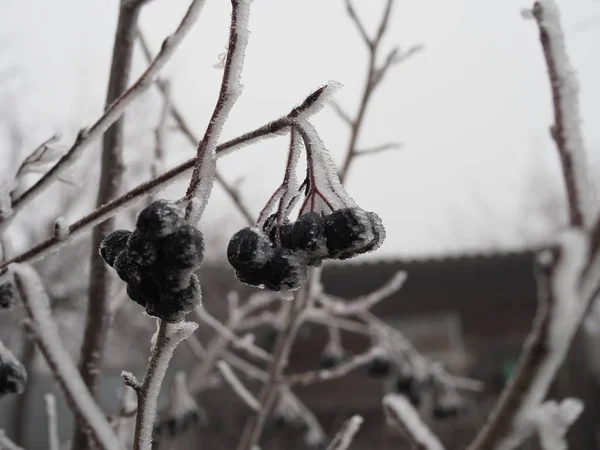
(379, 366)
(330, 359)
(174, 305)
(8, 296)
(13, 376)
(404, 381)
(379, 233)
(171, 279)
(285, 232)
(127, 269)
(159, 219)
(349, 232)
(139, 295)
(308, 234)
(113, 244)
(249, 248)
(286, 270)
(184, 248)
(251, 277)
(141, 250)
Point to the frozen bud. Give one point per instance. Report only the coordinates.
(308, 234)
(249, 248)
(128, 270)
(184, 248)
(141, 250)
(349, 232)
(8, 296)
(380, 366)
(174, 305)
(159, 219)
(113, 244)
(286, 271)
(13, 376)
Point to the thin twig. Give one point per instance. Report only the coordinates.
(98, 316)
(168, 337)
(6, 443)
(343, 439)
(185, 128)
(51, 422)
(45, 332)
(310, 106)
(202, 180)
(378, 149)
(237, 386)
(116, 110)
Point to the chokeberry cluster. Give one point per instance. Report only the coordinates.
(277, 255)
(158, 260)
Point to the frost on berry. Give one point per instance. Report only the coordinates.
(141, 250)
(174, 305)
(308, 234)
(13, 376)
(284, 230)
(113, 244)
(159, 219)
(286, 271)
(249, 248)
(184, 248)
(8, 296)
(251, 277)
(172, 279)
(128, 270)
(349, 232)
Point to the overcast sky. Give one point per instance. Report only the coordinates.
(477, 167)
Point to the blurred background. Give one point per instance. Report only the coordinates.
(473, 191)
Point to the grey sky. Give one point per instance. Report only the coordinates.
(472, 110)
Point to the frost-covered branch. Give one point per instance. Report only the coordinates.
(116, 109)
(45, 332)
(168, 337)
(237, 386)
(51, 422)
(6, 443)
(311, 105)
(566, 129)
(345, 436)
(203, 174)
(404, 417)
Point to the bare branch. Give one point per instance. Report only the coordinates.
(51, 422)
(6, 443)
(46, 335)
(237, 386)
(341, 113)
(405, 418)
(359, 26)
(116, 109)
(343, 440)
(379, 149)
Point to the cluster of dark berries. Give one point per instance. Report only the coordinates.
(13, 376)
(277, 256)
(8, 295)
(157, 261)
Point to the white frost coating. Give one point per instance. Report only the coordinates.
(345, 436)
(237, 386)
(6, 443)
(553, 420)
(181, 402)
(168, 338)
(61, 229)
(36, 303)
(402, 414)
(323, 171)
(330, 89)
(231, 88)
(290, 182)
(567, 311)
(5, 200)
(566, 80)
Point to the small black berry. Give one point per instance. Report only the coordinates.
(249, 248)
(349, 231)
(127, 269)
(379, 366)
(8, 296)
(159, 219)
(174, 305)
(285, 231)
(308, 234)
(330, 360)
(113, 244)
(184, 248)
(286, 270)
(251, 277)
(141, 250)
(13, 376)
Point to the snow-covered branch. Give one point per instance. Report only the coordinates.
(343, 439)
(237, 386)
